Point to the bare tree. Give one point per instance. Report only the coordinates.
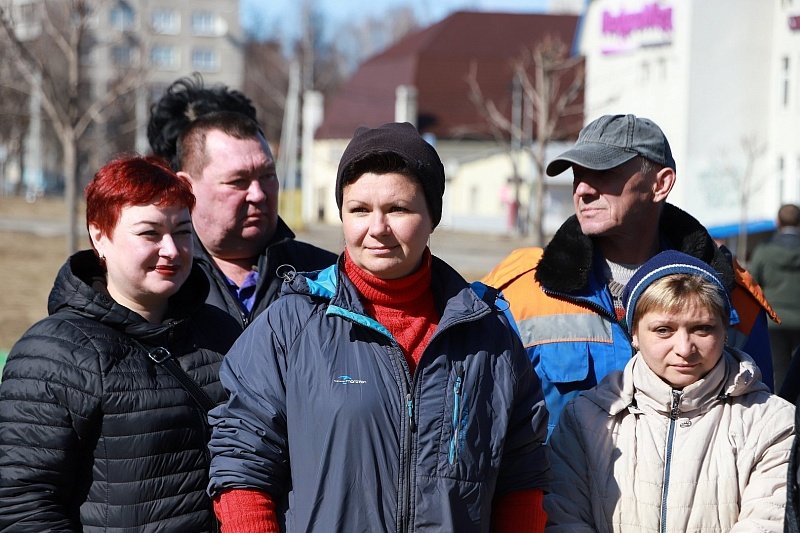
(552, 85)
(265, 82)
(13, 118)
(55, 64)
(367, 36)
(752, 150)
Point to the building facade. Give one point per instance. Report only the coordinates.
(136, 47)
(721, 78)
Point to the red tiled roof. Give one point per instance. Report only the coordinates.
(436, 60)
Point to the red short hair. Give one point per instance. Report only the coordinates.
(133, 180)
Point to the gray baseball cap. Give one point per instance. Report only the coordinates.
(612, 140)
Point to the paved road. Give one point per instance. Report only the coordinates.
(471, 254)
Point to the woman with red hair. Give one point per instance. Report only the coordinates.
(103, 403)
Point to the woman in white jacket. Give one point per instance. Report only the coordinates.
(685, 438)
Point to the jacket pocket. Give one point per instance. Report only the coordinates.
(563, 362)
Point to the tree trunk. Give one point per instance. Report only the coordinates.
(69, 168)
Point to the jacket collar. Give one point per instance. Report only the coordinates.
(78, 289)
(455, 298)
(282, 234)
(638, 387)
(566, 264)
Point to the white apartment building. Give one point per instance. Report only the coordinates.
(722, 78)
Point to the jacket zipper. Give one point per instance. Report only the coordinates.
(457, 406)
(406, 487)
(599, 309)
(405, 516)
(581, 301)
(673, 417)
(409, 385)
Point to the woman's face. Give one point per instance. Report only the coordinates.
(681, 347)
(148, 255)
(386, 224)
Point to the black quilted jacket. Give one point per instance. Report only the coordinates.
(94, 435)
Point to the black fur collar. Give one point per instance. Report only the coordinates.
(567, 260)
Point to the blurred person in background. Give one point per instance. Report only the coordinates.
(686, 437)
(103, 403)
(385, 392)
(211, 136)
(775, 265)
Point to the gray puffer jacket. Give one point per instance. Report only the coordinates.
(325, 416)
(632, 455)
(94, 435)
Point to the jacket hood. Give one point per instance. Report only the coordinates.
(566, 263)
(638, 387)
(79, 288)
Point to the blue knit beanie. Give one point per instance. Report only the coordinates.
(665, 264)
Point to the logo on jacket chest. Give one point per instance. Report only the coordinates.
(347, 380)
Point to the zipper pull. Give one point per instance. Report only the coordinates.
(676, 400)
(410, 411)
(455, 438)
(459, 380)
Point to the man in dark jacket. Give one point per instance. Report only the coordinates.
(775, 265)
(241, 244)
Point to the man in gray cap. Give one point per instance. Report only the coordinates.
(566, 298)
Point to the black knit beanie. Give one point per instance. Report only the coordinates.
(404, 140)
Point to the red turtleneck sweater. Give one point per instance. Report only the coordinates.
(406, 308)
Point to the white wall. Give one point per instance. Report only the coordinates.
(701, 70)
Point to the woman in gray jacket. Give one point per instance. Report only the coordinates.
(686, 438)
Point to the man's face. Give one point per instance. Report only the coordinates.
(237, 196)
(615, 201)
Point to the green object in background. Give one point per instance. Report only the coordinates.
(3, 356)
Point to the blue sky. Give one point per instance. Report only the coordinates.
(270, 16)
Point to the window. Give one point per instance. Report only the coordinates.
(797, 176)
(25, 13)
(166, 21)
(26, 20)
(205, 60)
(164, 57)
(662, 68)
(121, 17)
(122, 55)
(203, 23)
(785, 80)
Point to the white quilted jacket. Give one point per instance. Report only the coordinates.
(632, 455)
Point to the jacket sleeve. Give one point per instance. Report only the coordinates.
(763, 498)
(569, 504)
(758, 347)
(49, 401)
(249, 442)
(525, 463)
